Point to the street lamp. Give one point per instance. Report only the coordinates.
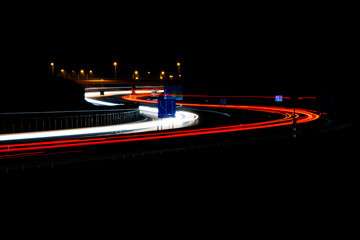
(178, 65)
(62, 72)
(162, 75)
(52, 68)
(115, 65)
(81, 73)
(136, 75)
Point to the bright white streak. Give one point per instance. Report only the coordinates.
(182, 119)
(108, 93)
(98, 102)
(113, 93)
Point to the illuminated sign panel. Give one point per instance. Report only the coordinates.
(173, 92)
(278, 98)
(167, 108)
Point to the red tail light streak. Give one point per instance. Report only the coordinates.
(8, 150)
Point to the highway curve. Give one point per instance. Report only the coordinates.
(41, 146)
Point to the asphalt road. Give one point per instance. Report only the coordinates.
(231, 133)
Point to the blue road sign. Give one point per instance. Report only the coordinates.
(173, 92)
(278, 98)
(167, 108)
(223, 101)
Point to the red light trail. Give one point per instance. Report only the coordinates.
(38, 148)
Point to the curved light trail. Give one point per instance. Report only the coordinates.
(182, 119)
(38, 148)
(302, 116)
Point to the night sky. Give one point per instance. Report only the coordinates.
(257, 48)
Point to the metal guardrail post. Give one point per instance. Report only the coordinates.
(27, 122)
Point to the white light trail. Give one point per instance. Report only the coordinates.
(107, 93)
(113, 93)
(182, 119)
(98, 102)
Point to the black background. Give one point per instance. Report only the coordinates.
(235, 49)
(261, 49)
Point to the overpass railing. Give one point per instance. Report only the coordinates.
(54, 120)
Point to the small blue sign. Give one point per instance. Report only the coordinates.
(167, 108)
(278, 98)
(223, 101)
(173, 92)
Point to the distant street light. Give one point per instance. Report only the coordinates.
(52, 68)
(162, 75)
(79, 75)
(115, 65)
(136, 75)
(178, 65)
(82, 73)
(63, 73)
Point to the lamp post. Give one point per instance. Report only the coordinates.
(81, 75)
(162, 75)
(63, 74)
(136, 75)
(52, 68)
(178, 65)
(115, 65)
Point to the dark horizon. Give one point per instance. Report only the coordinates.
(262, 51)
(311, 69)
